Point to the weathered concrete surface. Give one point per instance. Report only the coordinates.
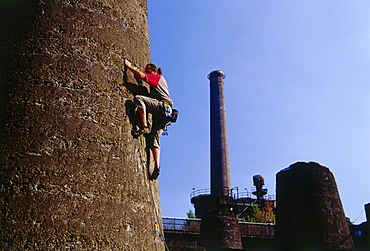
(309, 212)
(72, 176)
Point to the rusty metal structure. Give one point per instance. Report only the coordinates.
(259, 182)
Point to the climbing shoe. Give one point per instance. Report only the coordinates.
(139, 132)
(155, 173)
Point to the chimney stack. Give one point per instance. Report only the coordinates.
(220, 169)
(219, 227)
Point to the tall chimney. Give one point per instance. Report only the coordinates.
(220, 169)
(219, 227)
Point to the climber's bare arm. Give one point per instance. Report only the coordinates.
(133, 69)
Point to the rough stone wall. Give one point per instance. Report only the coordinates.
(309, 213)
(72, 176)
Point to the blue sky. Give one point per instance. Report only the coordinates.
(296, 89)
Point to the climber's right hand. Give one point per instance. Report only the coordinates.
(128, 63)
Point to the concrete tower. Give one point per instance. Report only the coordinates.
(72, 176)
(220, 167)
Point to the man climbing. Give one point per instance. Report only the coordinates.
(159, 104)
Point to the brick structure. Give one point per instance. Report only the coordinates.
(220, 164)
(72, 176)
(309, 212)
(219, 228)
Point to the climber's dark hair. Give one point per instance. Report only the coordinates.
(154, 68)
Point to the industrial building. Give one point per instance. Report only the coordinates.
(309, 213)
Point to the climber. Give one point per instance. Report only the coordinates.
(159, 104)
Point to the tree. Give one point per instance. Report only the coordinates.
(266, 214)
(191, 215)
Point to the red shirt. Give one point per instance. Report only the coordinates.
(152, 79)
(158, 87)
